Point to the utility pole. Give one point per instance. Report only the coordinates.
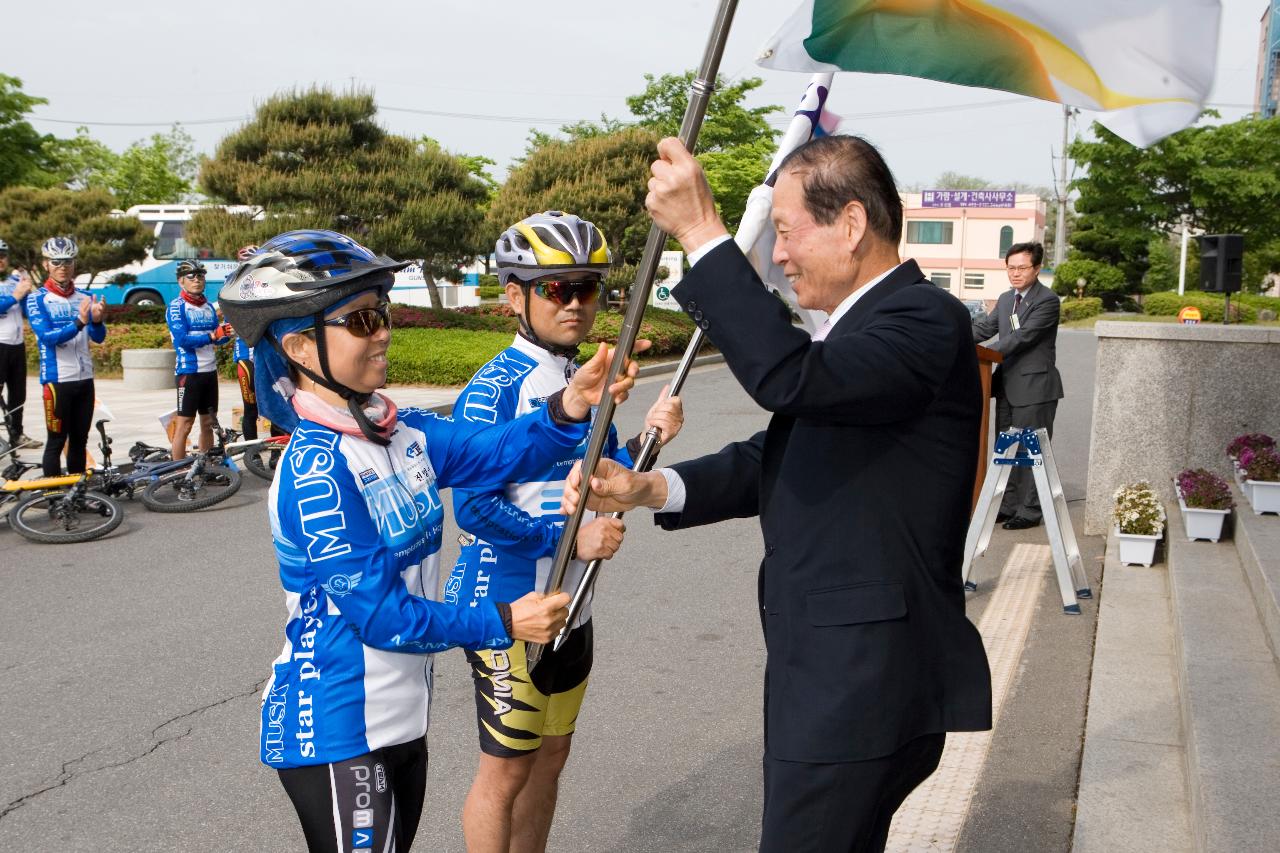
(1182, 261)
(1060, 233)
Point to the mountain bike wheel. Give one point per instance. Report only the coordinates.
(175, 493)
(262, 461)
(65, 517)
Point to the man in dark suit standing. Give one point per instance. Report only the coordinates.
(862, 483)
(1026, 385)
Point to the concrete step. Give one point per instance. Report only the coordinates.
(1257, 539)
(1229, 687)
(1133, 788)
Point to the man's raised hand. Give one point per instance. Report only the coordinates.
(586, 389)
(679, 199)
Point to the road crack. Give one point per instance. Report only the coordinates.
(134, 749)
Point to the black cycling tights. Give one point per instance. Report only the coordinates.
(361, 802)
(68, 411)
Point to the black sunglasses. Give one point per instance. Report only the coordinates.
(565, 291)
(364, 322)
(196, 274)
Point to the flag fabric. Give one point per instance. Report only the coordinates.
(756, 236)
(1148, 65)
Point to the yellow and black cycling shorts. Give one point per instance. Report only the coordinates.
(514, 712)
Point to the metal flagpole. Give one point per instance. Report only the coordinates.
(699, 96)
(798, 132)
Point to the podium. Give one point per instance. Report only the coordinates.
(987, 359)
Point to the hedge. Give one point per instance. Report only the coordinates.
(1081, 309)
(1168, 304)
(428, 346)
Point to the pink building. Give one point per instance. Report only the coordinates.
(959, 237)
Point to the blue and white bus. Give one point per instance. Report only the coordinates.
(154, 280)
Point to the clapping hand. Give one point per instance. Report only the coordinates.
(23, 287)
(586, 389)
(96, 309)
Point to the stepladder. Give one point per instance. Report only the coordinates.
(1022, 447)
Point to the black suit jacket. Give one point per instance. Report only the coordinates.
(862, 483)
(1029, 373)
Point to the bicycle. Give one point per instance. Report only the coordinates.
(199, 481)
(57, 510)
(263, 458)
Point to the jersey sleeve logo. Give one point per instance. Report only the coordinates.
(340, 585)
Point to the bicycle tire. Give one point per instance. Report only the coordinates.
(262, 461)
(165, 494)
(39, 515)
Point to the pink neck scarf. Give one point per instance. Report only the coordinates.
(380, 410)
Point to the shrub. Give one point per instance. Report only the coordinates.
(1101, 280)
(1203, 489)
(1138, 510)
(1168, 304)
(1262, 464)
(1081, 309)
(1249, 441)
(440, 356)
(490, 291)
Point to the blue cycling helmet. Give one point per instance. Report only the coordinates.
(300, 275)
(59, 248)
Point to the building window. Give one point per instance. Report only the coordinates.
(930, 232)
(941, 279)
(1006, 239)
(974, 279)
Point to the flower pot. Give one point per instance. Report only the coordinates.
(1136, 549)
(1202, 523)
(1263, 495)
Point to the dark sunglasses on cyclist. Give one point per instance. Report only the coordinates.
(197, 274)
(364, 322)
(565, 291)
(61, 262)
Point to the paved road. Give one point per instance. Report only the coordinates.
(130, 670)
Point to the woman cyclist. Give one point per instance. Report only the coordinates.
(357, 518)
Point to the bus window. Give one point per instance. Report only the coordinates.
(171, 244)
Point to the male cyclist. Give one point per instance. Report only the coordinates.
(242, 354)
(64, 320)
(195, 330)
(552, 264)
(14, 288)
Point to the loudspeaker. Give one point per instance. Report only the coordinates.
(1221, 262)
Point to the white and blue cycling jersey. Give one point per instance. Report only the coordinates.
(241, 350)
(357, 530)
(11, 312)
(64, 345)
(517, 524)
(191, 329)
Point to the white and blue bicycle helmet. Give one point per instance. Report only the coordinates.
(59, 249)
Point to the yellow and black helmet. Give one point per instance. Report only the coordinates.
(551, 243)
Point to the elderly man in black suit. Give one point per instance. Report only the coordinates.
(1026, 385)
(862, 484)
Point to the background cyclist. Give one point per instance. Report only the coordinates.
(14, 287)
(242, 353)
(64, 320)
(357, 521)
(552, 264)
(195, 330)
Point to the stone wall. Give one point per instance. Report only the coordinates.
(1169, 397)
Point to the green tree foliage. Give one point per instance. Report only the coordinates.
(735, 143)
(1101, 280)
(600, 178)
(77, 163)
(317, 159)
(162, 169)
(22, 147)
(1221, 178)
(30, 215)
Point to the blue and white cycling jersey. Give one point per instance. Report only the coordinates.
(11, 312)
(64, 348)
(242, 351)
(191, 329)
(517, 525)
(357, 530)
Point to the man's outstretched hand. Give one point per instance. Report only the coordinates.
(614, 488)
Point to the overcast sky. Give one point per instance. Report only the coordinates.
(492, 69)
